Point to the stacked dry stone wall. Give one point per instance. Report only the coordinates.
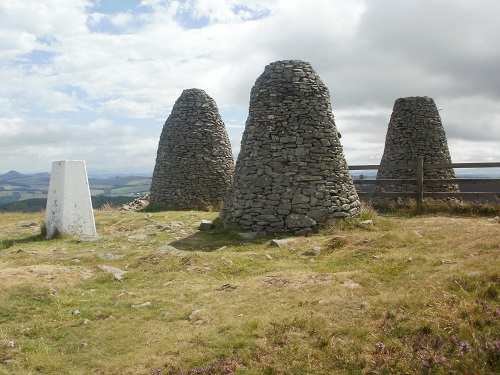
(415, 130)
(291, 174)
(194, 163)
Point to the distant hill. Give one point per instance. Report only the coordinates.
(10, 175)
(15, 187)
(39, 204)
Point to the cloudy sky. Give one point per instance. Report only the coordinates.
(95, 80)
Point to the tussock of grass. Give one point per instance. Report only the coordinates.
(402, 294)
(431, 206)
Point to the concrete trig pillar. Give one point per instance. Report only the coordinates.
(69, 207)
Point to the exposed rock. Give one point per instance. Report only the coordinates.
(111, 256)
(170, 250)
(142, 304)
(29, 224)
(206, 225)
(316, 249)
(366, 223)
(170, 226)
(193, 314)
(417, 233)
(136, 205)
(194, 162)
(290, 175)
(282, 242)
(116, 272)
(226, 287)
(350, 283)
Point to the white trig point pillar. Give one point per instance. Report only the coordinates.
(69, 207)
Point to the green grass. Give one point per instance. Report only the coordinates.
(408, 294)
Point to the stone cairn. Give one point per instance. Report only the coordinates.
(290, 175)
(414, 131)
(194, 163)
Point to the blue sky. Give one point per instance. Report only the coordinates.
(95, 80)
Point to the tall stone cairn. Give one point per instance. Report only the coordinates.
(194, 163)
(290, 175)
(414, 131)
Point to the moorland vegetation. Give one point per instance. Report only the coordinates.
(384, 293)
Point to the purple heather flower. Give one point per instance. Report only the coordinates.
(465, 347)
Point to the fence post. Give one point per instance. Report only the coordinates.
(420, 182)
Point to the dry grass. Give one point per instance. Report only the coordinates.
(405, 295)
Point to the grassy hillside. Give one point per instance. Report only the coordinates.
(16, 187)
(399, 294)
(122, 186)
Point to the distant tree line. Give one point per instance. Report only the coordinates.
(39, 204)
(10, 198)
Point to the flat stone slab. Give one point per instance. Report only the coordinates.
(141, 305)
(116, 272)
(350, 283)
(170, 250)
(282, 242)
(206, 225)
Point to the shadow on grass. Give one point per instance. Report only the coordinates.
(215, 239)
(7, 243)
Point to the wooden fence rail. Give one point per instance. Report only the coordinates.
(420, 182)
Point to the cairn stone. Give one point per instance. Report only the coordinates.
(415, 130)
(194, 163)
(290, 175)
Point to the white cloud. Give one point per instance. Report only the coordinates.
(15, 43)
(78, 81)
(44, 18)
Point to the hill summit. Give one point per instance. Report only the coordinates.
(10, 175)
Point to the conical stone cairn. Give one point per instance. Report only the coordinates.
(194, 163)
(415, 130)
(291, 174)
